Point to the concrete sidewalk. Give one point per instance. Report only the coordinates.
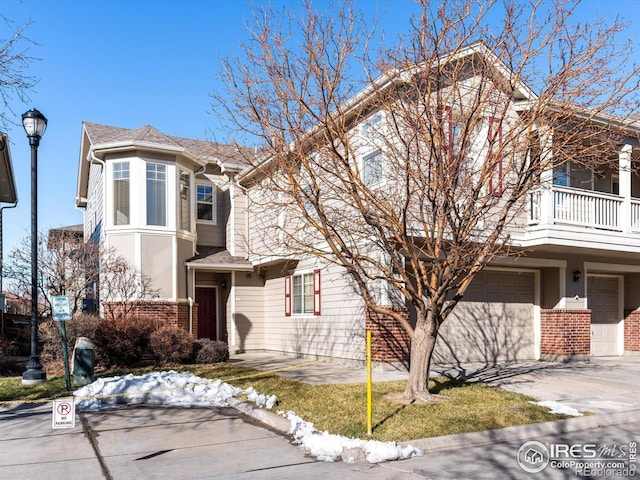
(151, 442)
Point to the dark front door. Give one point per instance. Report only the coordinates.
(206, 300)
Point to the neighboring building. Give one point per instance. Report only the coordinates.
(181, 211)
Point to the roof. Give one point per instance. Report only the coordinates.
(99, 134)
(8, 192)
(217, 258)
(97, 139)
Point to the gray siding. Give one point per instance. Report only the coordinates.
(215, 235)
(157, 263)
(338, 331)
(249, 316)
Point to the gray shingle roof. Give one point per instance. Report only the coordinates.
(201, 149)
(218, 257)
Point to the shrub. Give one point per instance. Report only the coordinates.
(83, 325)
(210, 351)
(171, 345)
(121, 342)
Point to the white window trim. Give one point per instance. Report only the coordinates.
(383, 170)
(214, 202)
(190, 198)
(167, 210)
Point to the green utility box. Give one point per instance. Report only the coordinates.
(83, 357)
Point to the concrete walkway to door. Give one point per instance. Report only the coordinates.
(600, 385)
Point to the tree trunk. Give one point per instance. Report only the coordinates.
(423, 342)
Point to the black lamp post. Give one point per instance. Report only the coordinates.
(34, 124)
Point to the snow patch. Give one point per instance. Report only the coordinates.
(329, 447)
(559, 408)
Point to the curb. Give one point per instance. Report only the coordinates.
(270, 419)
(529, 431)
(471, 439)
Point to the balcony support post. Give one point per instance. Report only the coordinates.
(624, 166)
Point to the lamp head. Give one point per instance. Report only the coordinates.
(34, 123)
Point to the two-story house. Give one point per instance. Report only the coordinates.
(168, 206)
(185, 214)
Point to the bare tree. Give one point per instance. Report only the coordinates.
(467, 113)
(69, 266)
(15, 83)
(122, 286)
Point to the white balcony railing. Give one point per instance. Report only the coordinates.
(586, 208)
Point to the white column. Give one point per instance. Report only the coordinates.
(624, 167)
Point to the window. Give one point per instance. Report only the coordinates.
(453, 133)
(561, 175)
(156, 194)
(372, 168)
(121, 193)
(494, 155)
(372, 123)
(302, 293)
(185, 200)
(205, 200)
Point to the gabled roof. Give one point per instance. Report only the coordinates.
(98, 139)
(218, 258)
(99, 134)
(354, 106)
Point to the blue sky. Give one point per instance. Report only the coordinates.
(132, 63)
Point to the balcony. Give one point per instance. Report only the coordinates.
(572, 216)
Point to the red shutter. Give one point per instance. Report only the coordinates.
(316, 292)
(287, 295)
(495, 155)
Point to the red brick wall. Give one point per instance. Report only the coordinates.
(168, 313)
(632, 331)
(389, 340)
(565, 332)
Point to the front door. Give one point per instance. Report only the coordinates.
(605, 316)
(207, 321)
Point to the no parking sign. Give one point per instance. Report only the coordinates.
(64, 413)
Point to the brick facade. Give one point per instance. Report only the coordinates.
(390, 341)
(632, 331)
(565, 333)
(175, 314)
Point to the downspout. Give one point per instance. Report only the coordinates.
(186, 281)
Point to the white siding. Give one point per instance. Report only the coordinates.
(338, 331)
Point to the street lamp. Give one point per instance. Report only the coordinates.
(34, 124)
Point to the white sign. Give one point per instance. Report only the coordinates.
(64, 413)
(60, 308)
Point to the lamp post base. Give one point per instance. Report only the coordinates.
(34, 374)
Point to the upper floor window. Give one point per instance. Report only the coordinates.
(121, 193)
(185, 200)
(205, 202)
(156, 194)
(372, 168)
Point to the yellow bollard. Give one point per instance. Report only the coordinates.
(369, 378)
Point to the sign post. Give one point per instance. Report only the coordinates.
(61, 312)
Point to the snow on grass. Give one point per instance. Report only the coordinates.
(559, 408)
(188, 390)
(328, 447)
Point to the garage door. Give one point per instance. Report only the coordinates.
(602, 294)
(494, 321)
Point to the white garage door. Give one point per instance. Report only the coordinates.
(493, 322)
(602, 294)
